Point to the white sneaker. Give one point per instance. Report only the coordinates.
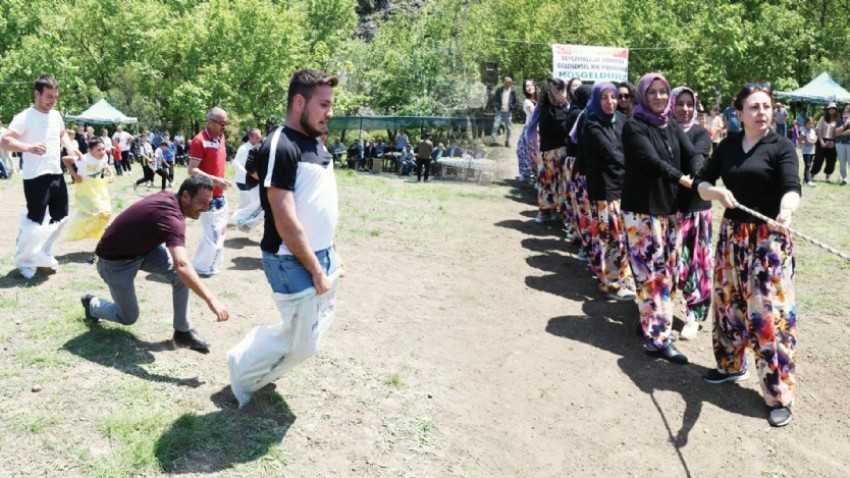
(690, 329)
(811, 183)
(622, 295)
(582, 256)
(541, 218)
(27, 272)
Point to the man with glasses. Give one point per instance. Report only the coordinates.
(207, 157)
(39, 133)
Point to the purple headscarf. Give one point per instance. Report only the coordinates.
(643, 110)
(594, 107)
(674, 96)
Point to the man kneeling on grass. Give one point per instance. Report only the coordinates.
(134, 241)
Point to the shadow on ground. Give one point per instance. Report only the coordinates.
(246, 264)
(123, 351)
(240, 243)
(521, 192)
(76, 258)
(611, 327)
(13, 278)
(226, 437)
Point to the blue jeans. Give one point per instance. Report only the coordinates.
(286, 275)
(782, 130)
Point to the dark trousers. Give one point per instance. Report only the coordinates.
(827, 155)
(126, 160)
(148, 172)
(423, 164)
(807, 165)
(46, 193)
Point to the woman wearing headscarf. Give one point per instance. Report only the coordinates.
(695, 265)
(553, 141)
(528, 145)
(754, 274)
(603, 152)
(655, 149)
(580, 205)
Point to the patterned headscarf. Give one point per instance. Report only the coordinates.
(674, 96)
(643, 110)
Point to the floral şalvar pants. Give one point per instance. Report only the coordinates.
(653, 253)
(608, 255)
(695, 266)
(754, 306)
(567, 191)
(549, 179)
(581, 211)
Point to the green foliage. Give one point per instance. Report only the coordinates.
(168, 62)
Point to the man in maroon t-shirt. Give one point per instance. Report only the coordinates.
(134, 241)
(207, 157)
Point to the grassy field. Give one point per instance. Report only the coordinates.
(108, 401)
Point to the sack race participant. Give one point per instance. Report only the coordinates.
(92, 175)
(38, 132)
(207, 157)
(299, 197)
(250, 212)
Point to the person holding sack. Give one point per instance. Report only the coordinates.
(91, 175)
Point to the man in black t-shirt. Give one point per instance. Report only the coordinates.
(298, 192)
(134, 242)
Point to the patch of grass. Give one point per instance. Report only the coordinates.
(374, 232)
(394, 381)
(38, 356)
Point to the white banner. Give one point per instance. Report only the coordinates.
(590, 63)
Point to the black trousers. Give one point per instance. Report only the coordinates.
(46, 193)
(807, 163)
(420, 164)
(827, 155)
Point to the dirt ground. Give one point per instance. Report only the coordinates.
(468, 341)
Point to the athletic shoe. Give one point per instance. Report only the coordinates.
(27, 272)
(582, 256)
(86, 301)
(690, 329)
(621, 295)
(779, 416)
(844, 182)
(811, 183)
(191, 339)
(716, 377)
(541, 218)
(629, 284)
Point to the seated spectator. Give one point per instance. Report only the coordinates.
(363, 158)
(338, 150)
(454, 151)
(407, 160)
(354, 153)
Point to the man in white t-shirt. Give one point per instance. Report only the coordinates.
(123, 139)
(249, 213)
(39, 133)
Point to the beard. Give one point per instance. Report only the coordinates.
(312, 132)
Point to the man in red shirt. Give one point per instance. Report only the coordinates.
(207, 157)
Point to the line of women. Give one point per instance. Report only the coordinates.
(635, 195)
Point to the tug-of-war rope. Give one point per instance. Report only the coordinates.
(809, 239)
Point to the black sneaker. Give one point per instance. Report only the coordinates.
(717, 377)
(779, 416)
(86, 301)
(191, 339)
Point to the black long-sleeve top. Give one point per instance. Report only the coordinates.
(689, 199)
(604, 164)
(759, 178)
(553, 127)
(653, 158)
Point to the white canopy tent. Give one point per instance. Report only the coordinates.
(101, 113)
(820, 91)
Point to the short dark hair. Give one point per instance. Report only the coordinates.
(163, 143)
(94, 141)
(45, 81)
(305, 82)
(193, 184)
